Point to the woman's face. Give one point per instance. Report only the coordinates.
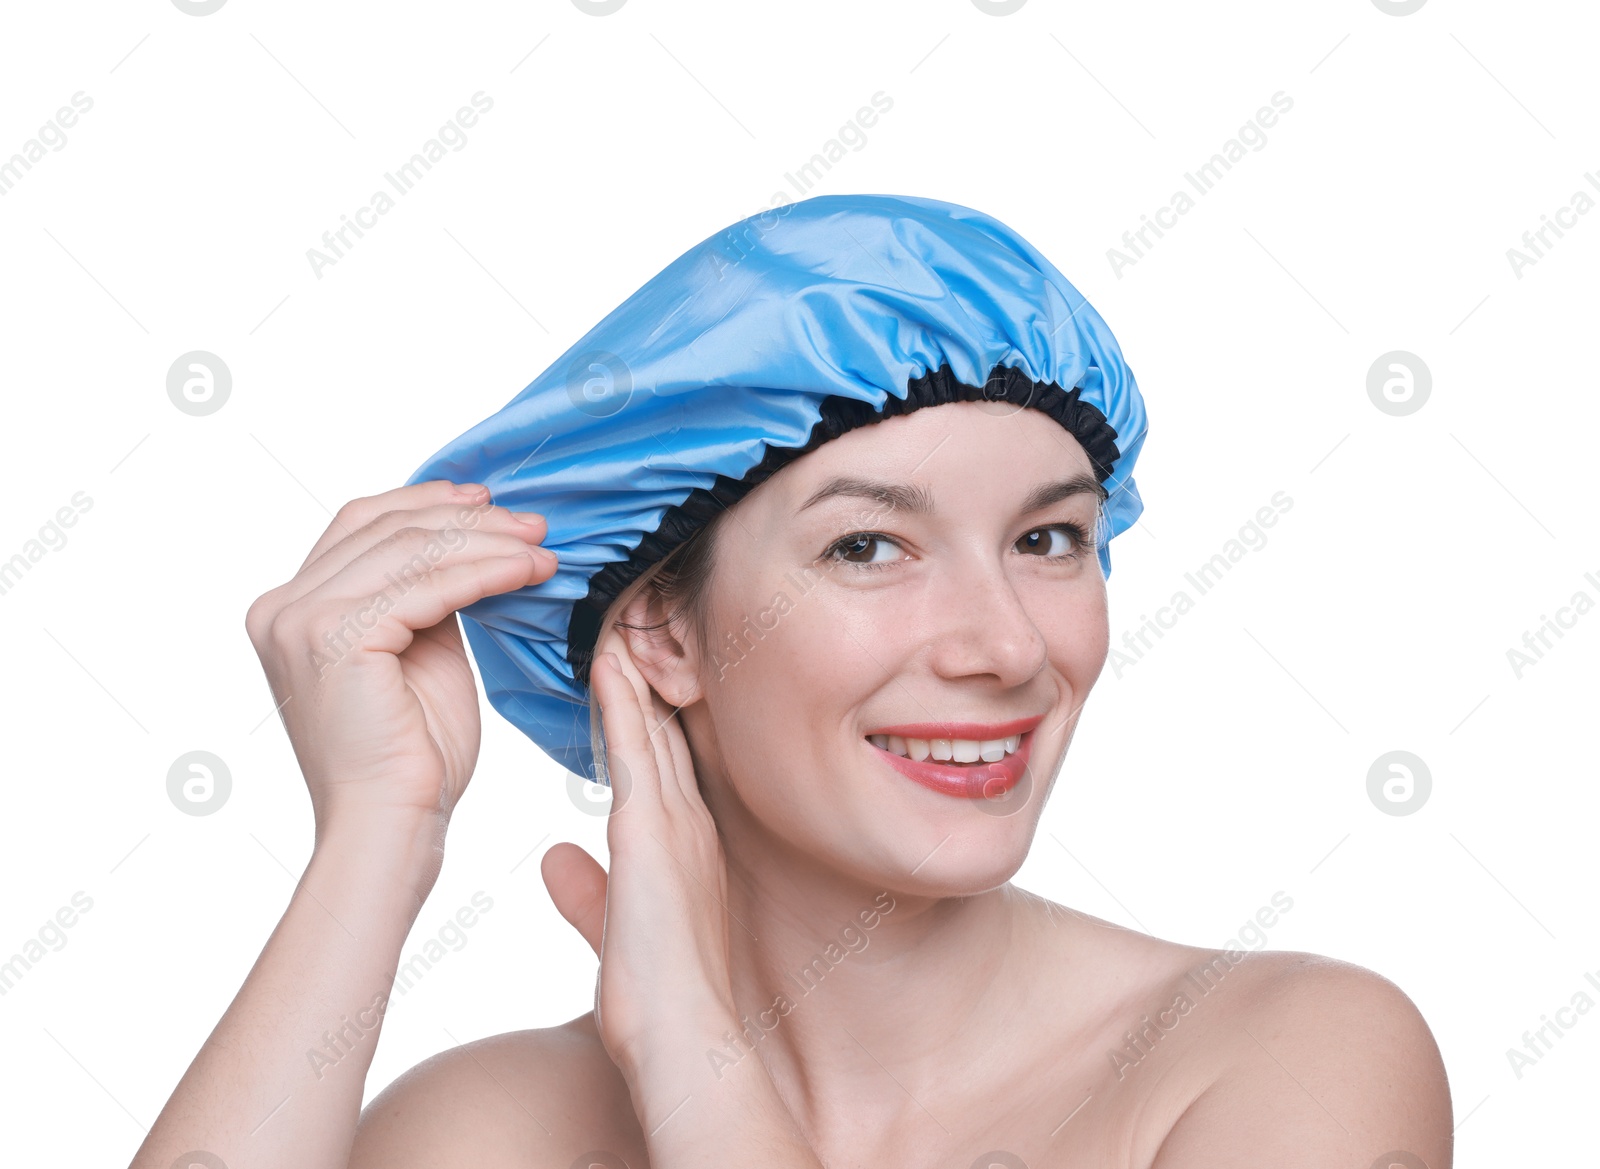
(835, 614)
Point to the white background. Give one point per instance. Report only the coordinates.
(1229, 763)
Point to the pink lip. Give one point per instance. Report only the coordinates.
(973, 781)
(975, 731)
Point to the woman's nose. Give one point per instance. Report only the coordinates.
(980, 625)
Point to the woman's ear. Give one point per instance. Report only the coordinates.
(668, 665)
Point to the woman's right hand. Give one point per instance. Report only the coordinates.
(364, 654)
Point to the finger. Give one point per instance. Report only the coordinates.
(380, 602)
(678, 749)
(666, 733)
(408, 553)
(360, 512)
(577, 885)
(446, 519)
(650, 710)
(630, 754)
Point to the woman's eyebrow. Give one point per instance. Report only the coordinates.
(918, 500)
(1045, 494)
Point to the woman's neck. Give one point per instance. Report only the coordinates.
(839, 983)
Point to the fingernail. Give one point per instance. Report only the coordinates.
(528, 517)
(470, 489)
(544, 556)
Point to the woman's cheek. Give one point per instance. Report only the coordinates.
(1096, 641)
(1078, 632)
(850, 635)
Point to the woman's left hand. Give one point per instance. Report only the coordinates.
(659, 921)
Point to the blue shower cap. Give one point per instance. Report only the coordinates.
(755, 346)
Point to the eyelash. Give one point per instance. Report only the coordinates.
(1085, 545)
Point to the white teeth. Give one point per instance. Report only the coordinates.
(948, 750)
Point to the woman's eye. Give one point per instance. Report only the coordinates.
(853, 546)
(1039, 540)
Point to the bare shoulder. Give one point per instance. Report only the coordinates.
(1314, 1062)
(526, 1098)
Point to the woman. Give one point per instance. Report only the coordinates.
(832, 496)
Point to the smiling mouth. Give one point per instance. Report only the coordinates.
(985, 779)
(952, 752)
